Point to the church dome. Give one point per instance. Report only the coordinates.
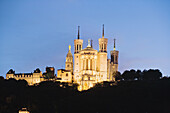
(88, 49)
(69, 54)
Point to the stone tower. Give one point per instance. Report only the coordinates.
(78, 44)
(69, 61)
(114, 59)
(102, 57)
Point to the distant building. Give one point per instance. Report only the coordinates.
(31, 78)
(23, 110)
(66, 75)
(90, 66)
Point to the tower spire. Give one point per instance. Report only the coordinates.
(114, 44)
(78, 36)
(69, 47)
(92, 43)
(88, 43)
(103, 32)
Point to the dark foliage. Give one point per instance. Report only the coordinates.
(1, 78)
(145, 75)
(140, 96)
(117, 76)
(152, 74)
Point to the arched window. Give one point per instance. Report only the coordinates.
(66, 74)
(86, 64)
(104, 47)
(112, 59)
(83, 64)
(116, 59)
(77, 46)
(90, 64)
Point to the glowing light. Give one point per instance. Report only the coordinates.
(69, 47)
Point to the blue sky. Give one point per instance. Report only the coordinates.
(36, 33)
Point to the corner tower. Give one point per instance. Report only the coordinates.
(103, 43)
(69, 61)
(114, 56)
(102, 57)
(78, 44)
(114, 60)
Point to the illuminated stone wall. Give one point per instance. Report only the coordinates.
(64, 75)
(31, 78)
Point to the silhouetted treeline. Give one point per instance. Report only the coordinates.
(131, 96)
(151, 74)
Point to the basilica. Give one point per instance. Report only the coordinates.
(90, 66)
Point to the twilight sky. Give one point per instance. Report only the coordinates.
(36, 33)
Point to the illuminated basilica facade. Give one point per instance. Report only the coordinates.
(90, 66)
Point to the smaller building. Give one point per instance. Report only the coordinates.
(31, 78)
(66, 75)
(24, 110)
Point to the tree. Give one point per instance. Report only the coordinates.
(75, 86)
(117, 76)
(128, 76)
(49, 75)
(152, 74)
(1, 78)
(22, 83)
(139, 74)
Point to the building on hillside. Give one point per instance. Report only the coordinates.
(66, 75)
(24, 110)
(90, 66)
(31, 78)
